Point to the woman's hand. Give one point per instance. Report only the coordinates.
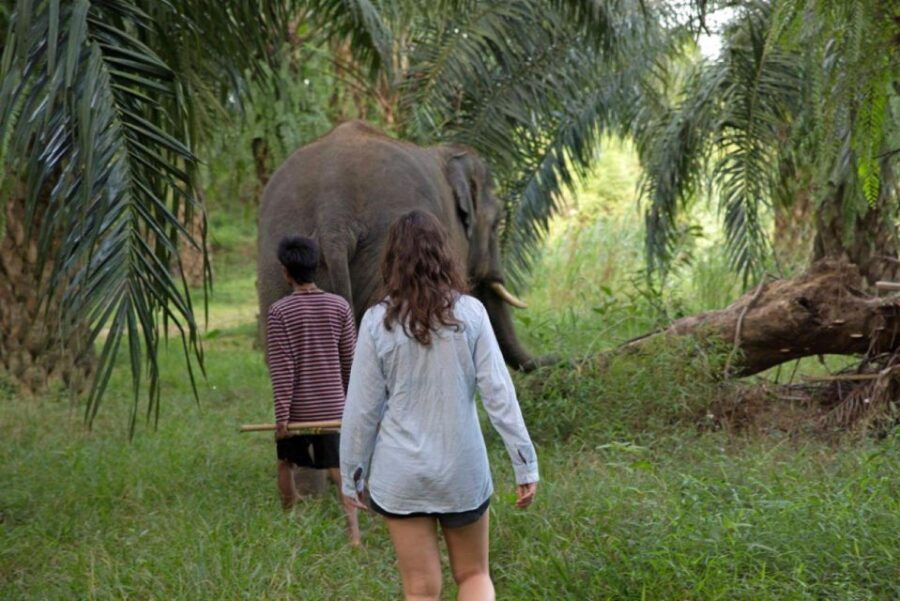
(281, 431)
(525, 494)
(358, 500)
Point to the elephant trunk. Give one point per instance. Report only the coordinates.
(501, 320)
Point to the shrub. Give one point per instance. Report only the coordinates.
(668, 382)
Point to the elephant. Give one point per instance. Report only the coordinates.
(346, 188)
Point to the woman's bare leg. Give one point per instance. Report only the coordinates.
(349, 510)
(416, 543)
(468, 547)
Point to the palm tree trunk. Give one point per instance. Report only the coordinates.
(872, 242)
(193, 261)
(821, 312)
(794, 228)
(260, 149)
(35, 352)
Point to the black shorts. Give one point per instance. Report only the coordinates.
(318, 451)
(448, 520)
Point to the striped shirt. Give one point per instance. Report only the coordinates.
(309, 348)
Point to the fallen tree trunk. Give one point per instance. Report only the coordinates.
(824, 311)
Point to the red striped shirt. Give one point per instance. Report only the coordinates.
(309, 347)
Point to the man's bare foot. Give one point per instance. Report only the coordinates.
(288, 504)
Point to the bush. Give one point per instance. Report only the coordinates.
(668, 383)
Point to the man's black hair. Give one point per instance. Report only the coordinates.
(300, 256)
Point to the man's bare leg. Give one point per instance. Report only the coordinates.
(286, 486)
(349, 510)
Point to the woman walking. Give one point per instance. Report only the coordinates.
(410, 435)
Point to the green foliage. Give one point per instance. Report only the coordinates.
(798, 97)
(589, 289)
(191, 511)
(360, 22)
(133, 92)
(729, 122)
(635, 500)
(117, 96)
(531, 87)
(869, 134)
(667, 385)
(105, 189)
(103, 109)
(284, 110)
(856, 45)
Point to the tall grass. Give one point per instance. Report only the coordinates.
(662, 390)
(191, 512)
(590, 290)
(636, 501)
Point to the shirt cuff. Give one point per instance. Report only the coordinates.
(526, 473)
(355, 484)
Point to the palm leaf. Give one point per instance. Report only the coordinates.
(732, 115)
(526, 86)
(359, 22)
(97, 185)
(103, 103)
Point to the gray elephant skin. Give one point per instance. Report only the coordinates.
(346, 188)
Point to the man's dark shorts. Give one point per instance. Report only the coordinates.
(318, 451)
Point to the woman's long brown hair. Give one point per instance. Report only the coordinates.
(420, 276)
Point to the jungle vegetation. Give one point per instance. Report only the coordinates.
(659, 479)
(645, 182)
(108, 108)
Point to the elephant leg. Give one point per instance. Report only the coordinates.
(337, 258)
(309, 481)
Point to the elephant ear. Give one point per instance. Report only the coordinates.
(460, 182)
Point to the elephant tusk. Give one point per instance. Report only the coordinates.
(501, 291)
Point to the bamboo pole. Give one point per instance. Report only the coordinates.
(312, 427)
(882, 285)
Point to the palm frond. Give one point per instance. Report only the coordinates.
(602, 22)
(452, 52)
(361, 23)
(102, 104)
(733, 115)
(673, 146)
(101, 176)
(761, 92)
(851, 63)
(523, 85)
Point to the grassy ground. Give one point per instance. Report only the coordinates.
(190, 511)
(638, 500)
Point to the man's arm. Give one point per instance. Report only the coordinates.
(281, 365)
(347, 346)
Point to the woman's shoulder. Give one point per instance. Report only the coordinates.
(467, 300)
(374, 312)
(373, 315)
(468, 309)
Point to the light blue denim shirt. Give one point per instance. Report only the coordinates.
(410, 427)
